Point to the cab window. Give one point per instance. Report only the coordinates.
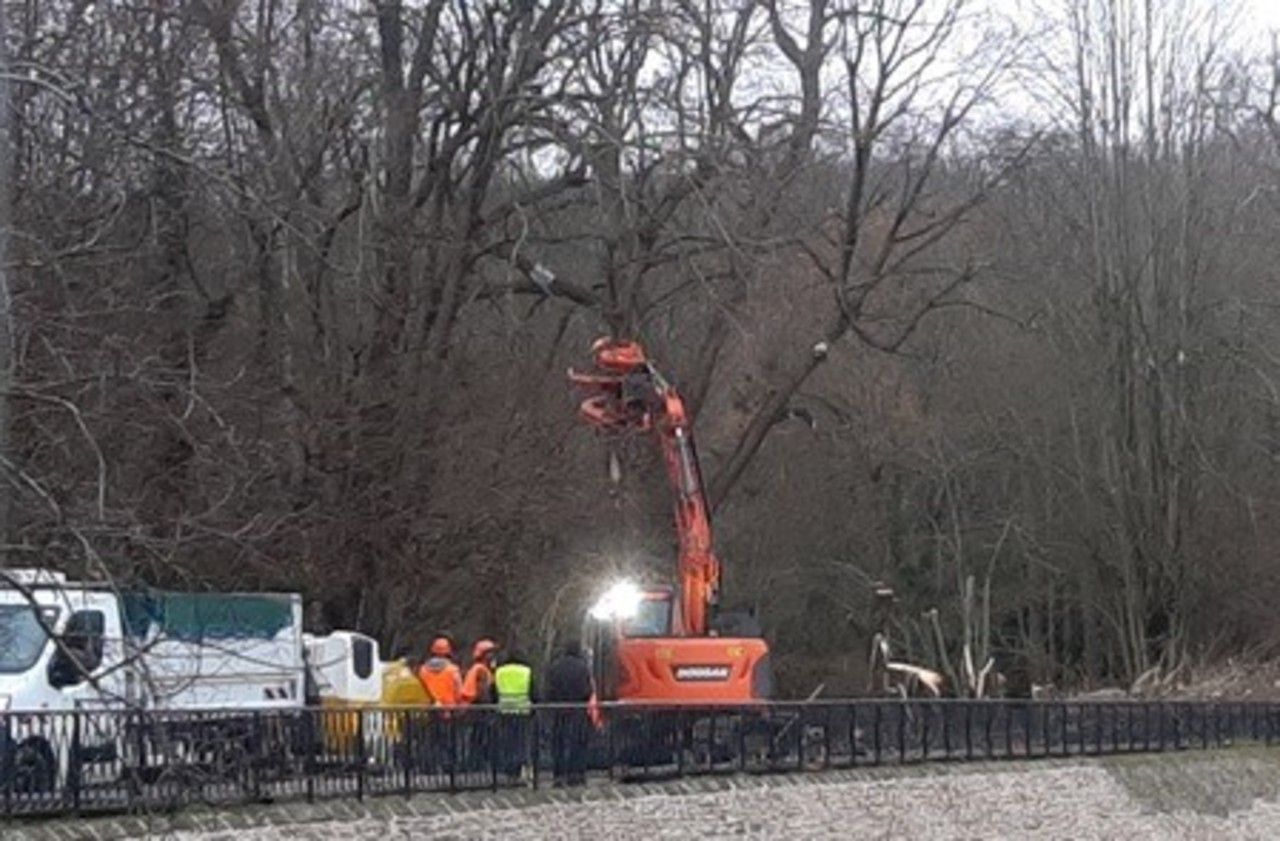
(652, 619)
(23, 634)
(362, 657)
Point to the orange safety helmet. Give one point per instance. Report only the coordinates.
(483, 647)
(441, 647)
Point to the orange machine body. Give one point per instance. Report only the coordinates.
(692, 670)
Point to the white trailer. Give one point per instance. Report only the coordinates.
(97, 651)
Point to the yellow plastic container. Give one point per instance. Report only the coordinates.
(341, 717)
(400, 688)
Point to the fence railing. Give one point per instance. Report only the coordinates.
(101, 761)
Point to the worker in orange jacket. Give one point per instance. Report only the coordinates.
(477, 686)
(442, 680)
(440, 676)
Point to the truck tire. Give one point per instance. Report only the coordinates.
(34, 768)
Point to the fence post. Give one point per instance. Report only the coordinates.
(989, 749)
(135, 788)
(803, 722)
(648, 739)
(876, 734)
(946, 730)
(712, 727)
(451, 727)
(826, 738)
(73, 763)
(611, 749)
(255, 750)
(10, 746)
(407, 725)
(968, 730)
(361, 760)
(679, 743)
(853, 734)
(902, 732)
(309, 751)
(1146, 726)
(535, 727)
(742, 740)
(924, 730)
(495, 733)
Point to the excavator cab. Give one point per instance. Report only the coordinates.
(655, 615)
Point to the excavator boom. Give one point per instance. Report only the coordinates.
(628, 394)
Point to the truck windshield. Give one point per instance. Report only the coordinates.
(22, 637)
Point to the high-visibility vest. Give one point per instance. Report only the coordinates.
(513, 681)
(442, 680)
(475, 686)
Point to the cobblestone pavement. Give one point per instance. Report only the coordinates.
(1075, 802)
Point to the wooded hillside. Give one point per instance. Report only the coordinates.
(292, 286)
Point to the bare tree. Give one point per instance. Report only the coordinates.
(879, 251)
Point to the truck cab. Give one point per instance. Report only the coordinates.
(61, 647)
(73, 655)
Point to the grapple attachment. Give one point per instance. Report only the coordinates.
(620, 392)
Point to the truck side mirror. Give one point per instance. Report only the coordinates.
(63, 670)
(81, 649)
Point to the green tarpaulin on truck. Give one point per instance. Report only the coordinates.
(200, 616)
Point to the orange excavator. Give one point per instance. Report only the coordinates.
(653, 644)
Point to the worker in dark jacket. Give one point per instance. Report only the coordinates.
(568, 681)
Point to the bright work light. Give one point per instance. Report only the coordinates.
(621, 601)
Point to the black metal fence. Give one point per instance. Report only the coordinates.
(102, 761)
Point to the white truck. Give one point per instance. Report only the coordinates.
(75, 657)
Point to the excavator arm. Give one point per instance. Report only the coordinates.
(626, 394)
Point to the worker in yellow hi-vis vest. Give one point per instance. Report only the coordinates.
(513, 680)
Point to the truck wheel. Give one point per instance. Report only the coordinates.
(33, 767)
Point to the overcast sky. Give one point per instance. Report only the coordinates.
(1264, 12)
